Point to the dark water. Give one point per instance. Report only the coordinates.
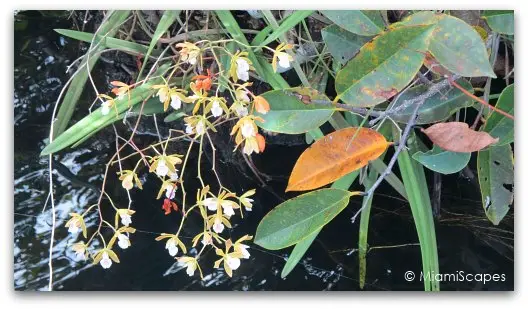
(466, 240)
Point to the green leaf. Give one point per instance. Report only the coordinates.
(436, 108)
(360, 22)
(174, 116)
(96, 120)
(442, 161)
(165, 22)
(364, 225)
(107, 29)
(342, 44)
(383, 66)
(454, 44)
(297, 218)
(495, 172)
(298, 252)
(500, 21)
(416, 186)
(498, 125)
(261, 36)
(302, 246)
(290, 115)
(287, 24)
(109, 42)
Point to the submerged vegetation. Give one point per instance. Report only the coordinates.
(403, 80)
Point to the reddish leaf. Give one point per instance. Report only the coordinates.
(458, 137)
(334, 156)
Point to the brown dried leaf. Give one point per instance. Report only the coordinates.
(458, 137)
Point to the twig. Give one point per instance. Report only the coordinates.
(401, 145)
(469, 94)
(432, 91)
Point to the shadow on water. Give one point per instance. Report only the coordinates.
(466, 241)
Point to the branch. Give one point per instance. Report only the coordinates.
(469, 94)
(401, 145)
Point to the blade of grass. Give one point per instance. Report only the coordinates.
(125, 46)
(165, 22)
(108, 29)
(364, 225)
(261, 36)
(96, 120)
(416, 187)
(287, 24)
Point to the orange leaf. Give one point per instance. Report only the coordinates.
(458, 137)
(334, 156)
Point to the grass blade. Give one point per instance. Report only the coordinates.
(416, 187)
(364, 225)
(165, 22)
(287, 24)
(125, 46)
(109, 28)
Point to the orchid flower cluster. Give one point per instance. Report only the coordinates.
(199, 98)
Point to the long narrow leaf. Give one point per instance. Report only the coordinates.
(301, 247)
(108, 29)
(287, 24)
(109, 42)
(416, 186)
(165, 22)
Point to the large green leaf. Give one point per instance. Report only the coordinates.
(108, 42)
(342, 44)
(96, 120)
(360, 22)
(299, 217)
(500, 21)
(107, 29)
(436, 108)
(454, 44)
(443, 161)
(302, 246)
(290, 115)
(165, 22)
(498, 125)
(383, 66)
(495, 173)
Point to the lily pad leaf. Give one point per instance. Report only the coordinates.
(436, 108)
(498, 125)
(342, 44)
(454, 44)
(288, 114)
(500, 21)
(300, 217)
(442, 161)
(495, 173)
(366, 22)
(383, 66)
